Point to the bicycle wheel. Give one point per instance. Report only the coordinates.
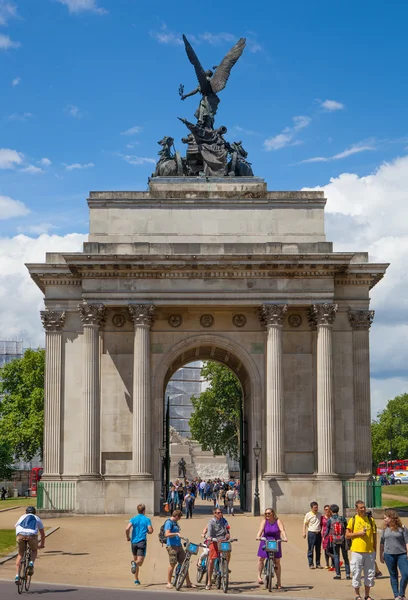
(266, 573)
(224, 575)
(27, 582)
(201, 569)
(175, 575)
(182, 574)
(21, 575)
(271, 573)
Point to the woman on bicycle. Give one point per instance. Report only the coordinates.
(271, 528)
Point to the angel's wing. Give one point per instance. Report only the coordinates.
(192, 57)
(220, 77)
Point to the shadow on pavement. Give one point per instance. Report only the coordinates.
(53, 591)
(62, 553)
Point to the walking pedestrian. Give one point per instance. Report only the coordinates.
(394, 552)
(230, 496)
(174, 548)
(173, 499)
(3, 493)
(362, 532)
(189, 502)
(141, 526)
(312, 528)
(336, 530)
(326, 542)
(271, 528)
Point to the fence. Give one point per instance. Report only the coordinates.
(369, 492)
(56, 495)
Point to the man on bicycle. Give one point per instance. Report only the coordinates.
(27, 528)
(218, 528)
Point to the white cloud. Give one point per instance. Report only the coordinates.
(36, 229)
(45, 162)
(132, 130)
(331, 105)
(74, 111)
(20, 298)
(78, 6)
(214, 39)
(10, 208)
(10, 158)
(75, 166)
(6, 42)
(354, 149)
(32, 169)
(165, 36)
(8, 10)
(16, 81)
(21, 116)
(138, 160)
(288, 135)
(370, 213)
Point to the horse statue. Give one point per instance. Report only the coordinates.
(238, 166)
(170, 164)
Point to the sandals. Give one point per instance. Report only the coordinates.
(260, 582)
(278, 587)
(207, 587)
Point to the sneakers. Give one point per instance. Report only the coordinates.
(30, 568)
(133, 567)
(16, 579)
(337, 577)
(137, 582)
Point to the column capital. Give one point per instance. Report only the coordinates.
(272, 314)
(142, 314)
(360, 320)
(322, 314)
(52, 320)
(92, 314)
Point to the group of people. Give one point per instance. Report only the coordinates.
(218, 491)
(358, 535)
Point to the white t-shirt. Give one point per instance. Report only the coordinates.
(202, 485)
(230, 494)
(28, 525)
(312, 520)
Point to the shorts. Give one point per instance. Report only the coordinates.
(176, 555)
(139, 549)
(362, 561)
(32, 542)
(213, 550)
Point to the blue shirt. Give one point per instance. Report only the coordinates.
(173, 527)
(140, 523)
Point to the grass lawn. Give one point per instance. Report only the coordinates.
(394, 503)
(7, 541)
(9, 502)
(395, 490)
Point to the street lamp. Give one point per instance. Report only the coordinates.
(257, 453)
(162, 453)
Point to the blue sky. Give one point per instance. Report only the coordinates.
(319, 99)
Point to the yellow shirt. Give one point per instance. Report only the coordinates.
(366, 543)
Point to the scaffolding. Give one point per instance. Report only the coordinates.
(10, 350)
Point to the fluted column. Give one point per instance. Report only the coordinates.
(53, 322)
(272, 317)
(92, 317)
(322, 316)
(360, 321)
(143, 317)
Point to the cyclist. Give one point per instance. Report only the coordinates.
(174, 548)
(217, 528)
(27, 528)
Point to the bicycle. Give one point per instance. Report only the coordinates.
(221, 571)
(271, 546)
(202, 567)
(24, 570)
(180, 572)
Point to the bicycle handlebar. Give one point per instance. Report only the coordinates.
(223, 540)
(264, 539)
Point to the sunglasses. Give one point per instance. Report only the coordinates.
(268, 514)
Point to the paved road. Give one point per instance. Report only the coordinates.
(64, 592)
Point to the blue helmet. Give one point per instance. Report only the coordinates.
(31, 510)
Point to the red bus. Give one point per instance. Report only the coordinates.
(388, 466)
(35, 477)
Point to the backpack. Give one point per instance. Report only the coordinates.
(161, 535)
(337, 531)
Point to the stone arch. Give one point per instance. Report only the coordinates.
(228, 352)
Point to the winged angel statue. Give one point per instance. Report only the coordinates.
(210, 83)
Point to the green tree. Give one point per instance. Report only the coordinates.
(22, 405)
(6, 462)
(215, 421)
(389, 431)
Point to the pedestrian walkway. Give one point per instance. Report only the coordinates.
(93, 551)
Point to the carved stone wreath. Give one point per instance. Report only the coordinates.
(175, 320)
(118, 320)
(239, 320)
(295, 320)
(206, 320)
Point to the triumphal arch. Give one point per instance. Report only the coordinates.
(207, 264)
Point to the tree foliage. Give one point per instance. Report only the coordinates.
(389, 431)
(6, 462)
(215, 421)
(22, 406)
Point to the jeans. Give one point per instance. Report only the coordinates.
(336, 553)
(314, 541)
(189, 510)
(395, 562)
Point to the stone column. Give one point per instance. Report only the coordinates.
(360, 321)
(92, 317)
(143, 317)
(272, 316)
(322, 316)
(53, 322)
